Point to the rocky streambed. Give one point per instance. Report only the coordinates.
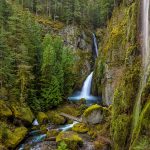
(70, 135)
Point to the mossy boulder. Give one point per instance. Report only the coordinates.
(69, 109)
(42, 118)
(80, 127)
(4, 109)
(55, 118)
(23, 113)
(52, 133)
(43, 129)
(70, 138)
(15, 137)
(93, 114)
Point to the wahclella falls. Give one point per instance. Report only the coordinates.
(74, 74)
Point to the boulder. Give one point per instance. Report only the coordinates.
(51, 134)
(14, 138)
(80, 128)
(93, 114)
(4, 109)
(55, 118)
(23, 113)
(70, 138)
(42, 118)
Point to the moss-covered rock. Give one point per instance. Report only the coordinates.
(80, 127)
(69, 109)
(43, 129)
(15, 137)
(55, 118)
(42, 118)
(93, 114)
(52, 133)
(23, 113)
(70, 138)
(4, 109)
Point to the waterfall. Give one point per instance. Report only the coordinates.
(85, 92)
(86, 89)
(145, 56)
(95, 45)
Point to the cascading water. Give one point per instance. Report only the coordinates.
(85, 92)
(95, 44)
(145, 55)
(86, 89)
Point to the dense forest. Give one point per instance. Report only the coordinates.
(75, 75)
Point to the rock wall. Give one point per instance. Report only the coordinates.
(117, 77)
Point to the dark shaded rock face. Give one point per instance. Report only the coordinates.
(76, 38)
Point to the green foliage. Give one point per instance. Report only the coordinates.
(56, 69)
(82, 12)
(62, 146)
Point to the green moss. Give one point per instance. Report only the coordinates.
(70, 138)
(15, 137)
(62, 146)
(80, 128)
(55, 118)
(140, 138)
(23, 113)
(42, 118)
(68, 109)
(120, 130)
(43, 128)
(143, 143)
(52, 133)
(91, 109)
(4, 109)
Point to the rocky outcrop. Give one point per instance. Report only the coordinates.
(93, 114)
(76, 38)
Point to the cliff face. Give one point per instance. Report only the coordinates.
(118, 49)
(118, 75)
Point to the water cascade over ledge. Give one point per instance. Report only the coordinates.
(86, 89)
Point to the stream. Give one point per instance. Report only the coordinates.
(36, 140)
